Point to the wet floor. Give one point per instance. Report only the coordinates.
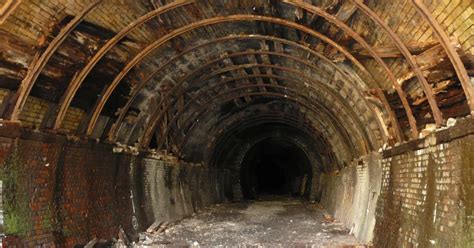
(270, 223)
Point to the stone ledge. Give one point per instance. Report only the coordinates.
(463, 127)
(13, 130)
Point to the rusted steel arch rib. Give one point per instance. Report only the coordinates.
(269, 117)
(76, 82)
(37, 65)
(317, 11)
(231, 68)
(148, 130)
(326, 88)
(7, 9)
(235, 122)
(350, 113)
(231, 126)
(338, 126)
(237, 54)
(136, 90)
(331, 164)
(234, 126)
(108, 91)
(288, 119)
(437, 115)
(206, 22)
(450, 51)
(244, 66)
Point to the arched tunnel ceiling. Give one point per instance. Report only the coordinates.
(181, 75)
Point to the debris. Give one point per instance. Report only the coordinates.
(163, 227)
(328, 218)
(158, 227)
(244, 224)
(429, 128)
(318, 205)
(91, 243)
(162, 155)
(119, 148)
(303, 184)
(451, 122)
(102, 243)
(123, 236)
(119, 244)
(154, 227)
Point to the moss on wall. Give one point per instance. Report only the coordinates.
(15, 196)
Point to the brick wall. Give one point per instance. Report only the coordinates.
(427, 192)
(351, 195)
(181, 190)
(72, 120)
(33, 113)
(418, 194)
(66, 193)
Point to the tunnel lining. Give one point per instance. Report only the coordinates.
(67, 68)
(299, 8)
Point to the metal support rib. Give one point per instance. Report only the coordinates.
(37, 65)
(339, 128)
(450, 51)
(361, 41)
(136, 90)
(437, 115)
(7, 9)
(79, 78)
(152, 123)
(206, 22)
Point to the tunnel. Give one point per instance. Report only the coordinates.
(274, 167)
(327, 123)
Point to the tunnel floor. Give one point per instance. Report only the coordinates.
(277, 222)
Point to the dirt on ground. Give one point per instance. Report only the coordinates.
(265, 223)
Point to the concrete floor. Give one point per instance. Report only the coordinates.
(268, 223)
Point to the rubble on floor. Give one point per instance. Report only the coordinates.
(283, 222)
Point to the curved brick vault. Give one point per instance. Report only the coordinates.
(200, 82)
